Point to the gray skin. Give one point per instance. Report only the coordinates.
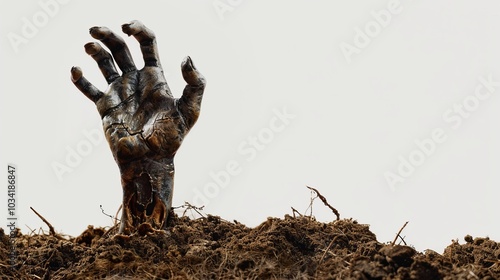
(143, 123)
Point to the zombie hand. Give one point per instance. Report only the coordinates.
(143, 123)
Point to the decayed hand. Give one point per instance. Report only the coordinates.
(143, 123)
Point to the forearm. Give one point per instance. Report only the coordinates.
(147, 192)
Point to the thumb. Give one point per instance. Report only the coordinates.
(190, 74)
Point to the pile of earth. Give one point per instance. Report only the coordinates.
(212, 248)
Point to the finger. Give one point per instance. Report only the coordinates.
(104, 60)
(190, 74)
(84, 85)
(117, 47)
(190, 102)
(147, 40)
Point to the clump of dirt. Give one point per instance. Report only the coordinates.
(212, 248)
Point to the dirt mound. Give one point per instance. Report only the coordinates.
(212, 248)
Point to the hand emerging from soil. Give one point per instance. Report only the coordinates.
(143, 123)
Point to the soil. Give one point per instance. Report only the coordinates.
(213, 248)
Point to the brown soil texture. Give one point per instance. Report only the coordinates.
(212, 248)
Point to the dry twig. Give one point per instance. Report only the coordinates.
(398, 235)
(189, 206)
(51, 228)
(311, 202)
(323, 199)
(112, 218)
(116, 215)
(295, 211)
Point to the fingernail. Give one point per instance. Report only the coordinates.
(126, 29)
(76, 73)
(92, 48)
(99, 33)
(190, 63)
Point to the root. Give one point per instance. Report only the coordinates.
(115, 219)
(116, 215)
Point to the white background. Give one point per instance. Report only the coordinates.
(354, 114)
